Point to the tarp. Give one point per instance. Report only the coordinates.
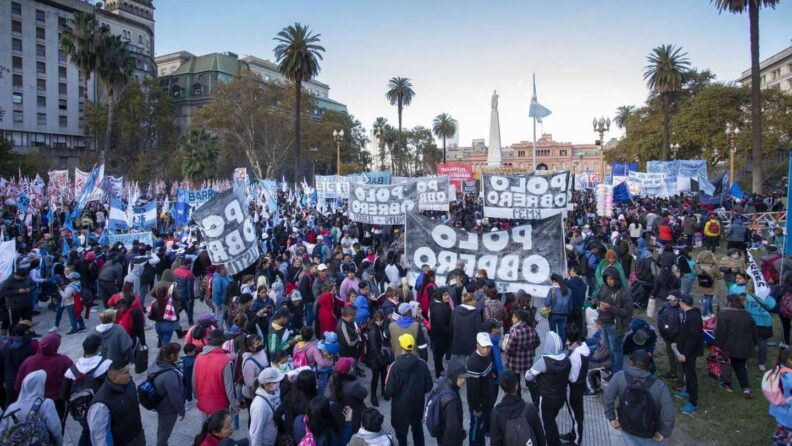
(521, 258)
(525, 196)
(228, 231)
(381, 205)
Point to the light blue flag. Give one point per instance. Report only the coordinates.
(85, 195)
(65, 248)
(537, 110)
(736, 191)
(104, 239)
(117, 218)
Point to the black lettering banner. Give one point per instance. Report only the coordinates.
(525, 196)
(521, 258)
(381, 205)
(432, 193)
(228, 231)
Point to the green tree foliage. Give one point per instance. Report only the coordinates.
(199, 154)
(665, 73)
(444, 126)
(400, 93)
(114, 70)
(321, 147)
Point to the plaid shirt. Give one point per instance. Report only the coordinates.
(521, 348)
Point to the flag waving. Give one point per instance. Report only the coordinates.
(537, 110)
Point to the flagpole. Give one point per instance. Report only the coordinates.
(534, 144)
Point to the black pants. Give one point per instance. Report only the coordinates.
(711, 243)
(689, 367)
(575, 405)
(378, 376)
(21, 313)
(549, 408)
(439, 349)
(416, 426)
(738, 365)
(785, 327)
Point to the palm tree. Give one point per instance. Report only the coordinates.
(665, 74)
(298, 54)
(400, 94)
(622, 113)
(80, 38)
(444, 126)
(199, 148)
(753, 6)
(116, 63)
(379, 128)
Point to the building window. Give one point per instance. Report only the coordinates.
(17, 81)
(16, 44)
(61, 56)
(41, 68)
(16, 63)
(41, 51)
(41, 84)
(41, 33)
(562, 152)
(61, 72)
(81, 92)
(16, 98)
(62, 89)
(16, 26)
(17, 116)
(63, 121)
(520, 153)
(41, 118)
(40, 17)
(62, 104)
(16, 8)
(41, 101)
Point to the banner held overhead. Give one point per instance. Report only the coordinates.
(381, 205)
(228, 231)
(525, 196)
(433, 193)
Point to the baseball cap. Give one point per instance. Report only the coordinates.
(270, 375)
(321, 267)
(686, 299)
(404, 308)
(483, 340)
(673, 295)
(407, 342)
(74, 275)
(641, 357)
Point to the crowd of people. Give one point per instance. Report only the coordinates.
(280, 351)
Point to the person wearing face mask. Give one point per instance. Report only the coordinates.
(263, 429)
(730, 265)
(254, 360)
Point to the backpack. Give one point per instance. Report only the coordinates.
(308, 438)
(637, 413)
(771, 385)
(300, 358)
(769, 270)
(432, 417)
(518, 431)
(668, 322)
(82, 392)
(148, 396)
(712, 229)
(785, 306)
(32, 431)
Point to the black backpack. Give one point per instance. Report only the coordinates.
(668, 322)
(518, 431)
(637, 413)
(82, 392)
(432, 415)
(148, 396)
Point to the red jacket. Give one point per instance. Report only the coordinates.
(48, 359)
(326, 313)
(209, 385)
(425, 297)
(124, 315)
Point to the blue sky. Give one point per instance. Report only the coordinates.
(588, 55)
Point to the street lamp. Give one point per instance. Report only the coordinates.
(338, 135)
(732, 132)
(675, 150)
(601, 126)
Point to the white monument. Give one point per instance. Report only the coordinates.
(494, 155)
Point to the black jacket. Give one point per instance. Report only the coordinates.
(735, 333)
(451, 415)
(465, 324)
(11, 295)
(689, 341)
(480, 382)
(409, 379)
(440, 321)
(512, 406)
(375, 340)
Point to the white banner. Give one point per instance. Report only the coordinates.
(526, 196)
(128, 239)
(433, 193)
(7, 256)
(648, 184)
(381, 205)
(761, 288)
(332, 187)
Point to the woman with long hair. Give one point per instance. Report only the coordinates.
(215, 429)
(378, 352)
(736, 335)
(322, 423)
(296, 401)
(347, 390)
(167, 380)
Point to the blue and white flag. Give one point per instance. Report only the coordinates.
(537, 110)
(104, 239)
(83, 197)
(144, 216)
(117, 219)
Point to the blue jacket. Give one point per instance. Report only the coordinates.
(362, 315)
(761, 317)
(219, 288)
(736, 232)
(783, 413)
(558, 302)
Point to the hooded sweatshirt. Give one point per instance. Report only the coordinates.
(116, 343)
(465, 324)
(49, 360)
(170, 383)
(366, 438)
(551, 370)
(451, 407)
(32, 389)
(621, 304)
(263, 429)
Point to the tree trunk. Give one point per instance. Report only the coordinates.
(444, 149)
(666, 127)
(298, 93)
(399, 144)
(109, 129)
(756, 101)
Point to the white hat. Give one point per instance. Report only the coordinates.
(321, 267)
(293, 373)
(320, 237)
(483, 339)
(270, 375)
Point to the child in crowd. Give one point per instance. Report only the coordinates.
(188, 362)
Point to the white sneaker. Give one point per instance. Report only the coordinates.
(52, 330)
(762, 367)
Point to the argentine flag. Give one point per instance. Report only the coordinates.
(145, 216)
(117, 220)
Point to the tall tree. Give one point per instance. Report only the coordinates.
(753, 6)
(81, 37)
(114, 70)
(622, 113)
(400, 94)
(199, 152)
(444, 126)
(664, 75)
(379, 128)
(298, 54)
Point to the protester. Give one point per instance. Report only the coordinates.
(213, 382)
(736, 336)
(687, 347)
(558, 300)
(168, 381)
(379, 354)
(263, 429)
(548, 381)
(370, 433)
(578, 353)
(347, 391)
(55, 364)
(32, 400)
(114, 416)
(409, 379)
(522, 343)
(481, 372)
(16, 349)
(465, 324)
(117, 346)
(452, 431)
(760, 309)
(616, 308)
(669, 321)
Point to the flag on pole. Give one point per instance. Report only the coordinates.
(537, 110)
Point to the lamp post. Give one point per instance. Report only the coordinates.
(601, 126)
(674, 150)
(732, 132)
(338, 135)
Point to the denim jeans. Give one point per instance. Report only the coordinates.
(706, 300)
(165, 330)
(219, 313)
(632, 440)
(615, 346)
(558, 324)
(73, 321)
(479, 425)
(189, 305)
(309, 315)
(687, 284)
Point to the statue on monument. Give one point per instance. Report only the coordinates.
(494, 99)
